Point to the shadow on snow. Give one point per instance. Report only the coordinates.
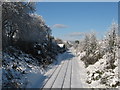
(61, 57)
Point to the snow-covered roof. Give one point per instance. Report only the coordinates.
(61, 45)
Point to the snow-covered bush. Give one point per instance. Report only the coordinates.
(15, 20)
(24, 32)
(15, 66)
(101, 58)
(111, 46)
(21, 27)
(108, 64)
(91, 48)
(98, 74)
(27, 31)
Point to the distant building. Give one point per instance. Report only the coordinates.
(61, 45)
(63, 48)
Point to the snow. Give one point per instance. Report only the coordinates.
(39, 52)
(97, 65)
(38, 79)
(68, 71)
(60, 78)
(76, 82)
(33, 77)
(80, 68)
(61, 45)
(18, 72)
(97, 72)
(98, 76)
(67, 77)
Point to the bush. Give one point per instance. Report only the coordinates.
(91, 59)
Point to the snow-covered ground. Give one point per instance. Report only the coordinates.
(19, 69)
(100, 76)
(82, 69)
(97, 74)
(37, 80)
(67, 70)
(69, 73)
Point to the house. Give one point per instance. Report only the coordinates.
(61, 45)
(63, 48)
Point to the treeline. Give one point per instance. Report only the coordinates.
(24, 30)
(101, 57)
(94, 49)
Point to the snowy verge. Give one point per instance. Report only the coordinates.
(98, 76)
(18, 67)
